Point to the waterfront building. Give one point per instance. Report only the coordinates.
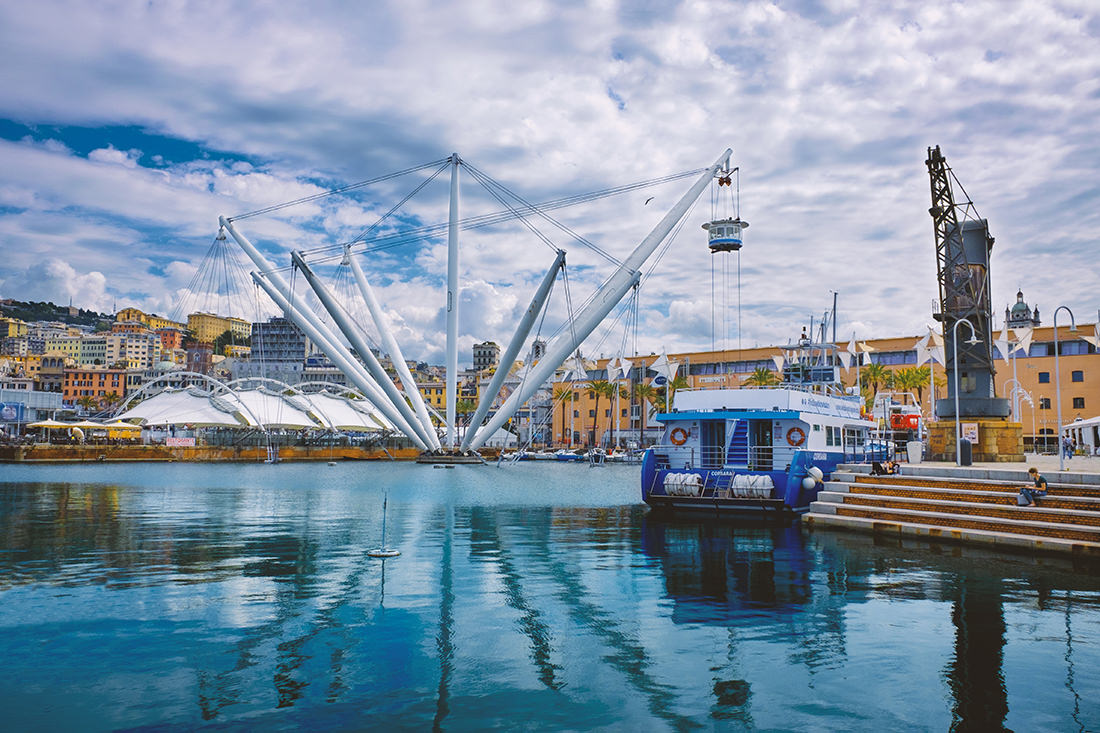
(103, 386)
(1079, 365)
(30, 406)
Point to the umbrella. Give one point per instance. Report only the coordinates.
(51, 424)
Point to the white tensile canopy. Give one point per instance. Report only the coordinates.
(254, 408)
(341, 413)
(272, 410)
(185, 407)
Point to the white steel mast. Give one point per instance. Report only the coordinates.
(601, 304)
(452, 306)
(514, 346)
(355, 338)
(341, 358)
(394, 350)
(276, 286)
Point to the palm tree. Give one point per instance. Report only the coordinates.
(87, 402)
(874, 375)
(109, 400)
(645, 393)
(762, 377)
(600, 388)
(561, 394)
(678, 383)
(463, 408)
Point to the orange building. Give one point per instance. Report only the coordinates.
(591, 421)
(171, 337)
(95, 383)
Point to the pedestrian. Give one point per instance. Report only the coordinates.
(1067, 447)
(1028, 495)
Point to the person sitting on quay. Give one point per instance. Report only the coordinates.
(1033, 493)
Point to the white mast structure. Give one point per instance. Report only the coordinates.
(394, 350)
(510, 354)
(602, 303)
(277, 288)
(355, 338)
(452, 307)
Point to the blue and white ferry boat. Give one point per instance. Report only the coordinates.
(755, 451)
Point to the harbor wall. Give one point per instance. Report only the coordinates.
(42, 453)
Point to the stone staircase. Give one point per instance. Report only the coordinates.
(972, 505)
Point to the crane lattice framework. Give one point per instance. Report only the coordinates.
(962, 262)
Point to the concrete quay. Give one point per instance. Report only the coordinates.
(972, 505)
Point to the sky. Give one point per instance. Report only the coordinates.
(127, 128)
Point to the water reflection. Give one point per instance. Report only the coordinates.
(258, 606)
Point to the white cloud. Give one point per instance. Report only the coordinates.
(829, 108)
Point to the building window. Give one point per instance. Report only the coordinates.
(592, 413)
(1078, 403)
(1077, 375)
(576, 413)
(1044, 377)
(1044, 403)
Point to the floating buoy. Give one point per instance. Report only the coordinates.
(383, 552)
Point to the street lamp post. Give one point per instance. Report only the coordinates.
(1018, 393)
(955, 353)
(1015, 396)
(1058, 381)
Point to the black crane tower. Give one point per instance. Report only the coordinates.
(962, 263)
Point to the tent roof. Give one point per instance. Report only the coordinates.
(183, 407)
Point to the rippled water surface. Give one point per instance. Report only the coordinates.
(537, 596)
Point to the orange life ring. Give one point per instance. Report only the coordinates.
(796, 436)
(678, 436)
(899, 421)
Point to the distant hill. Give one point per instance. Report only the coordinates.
(51, 312)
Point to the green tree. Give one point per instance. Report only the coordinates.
(109, 400)
(87, 402)
(645, 394)
(874, 376)
(228, 338)
(762, 377)
(463, 410)
(601, 388)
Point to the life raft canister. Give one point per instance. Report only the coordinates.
(796, 436)
(678, 436)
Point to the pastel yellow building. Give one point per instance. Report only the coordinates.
(13, 327)
(151, 321)
(1077, 383)
(206, 326)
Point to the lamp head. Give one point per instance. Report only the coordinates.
(973, 340)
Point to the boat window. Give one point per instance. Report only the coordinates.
(817, 428)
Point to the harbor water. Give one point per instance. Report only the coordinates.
(535, 596)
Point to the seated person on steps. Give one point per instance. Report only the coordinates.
(1040, 488)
